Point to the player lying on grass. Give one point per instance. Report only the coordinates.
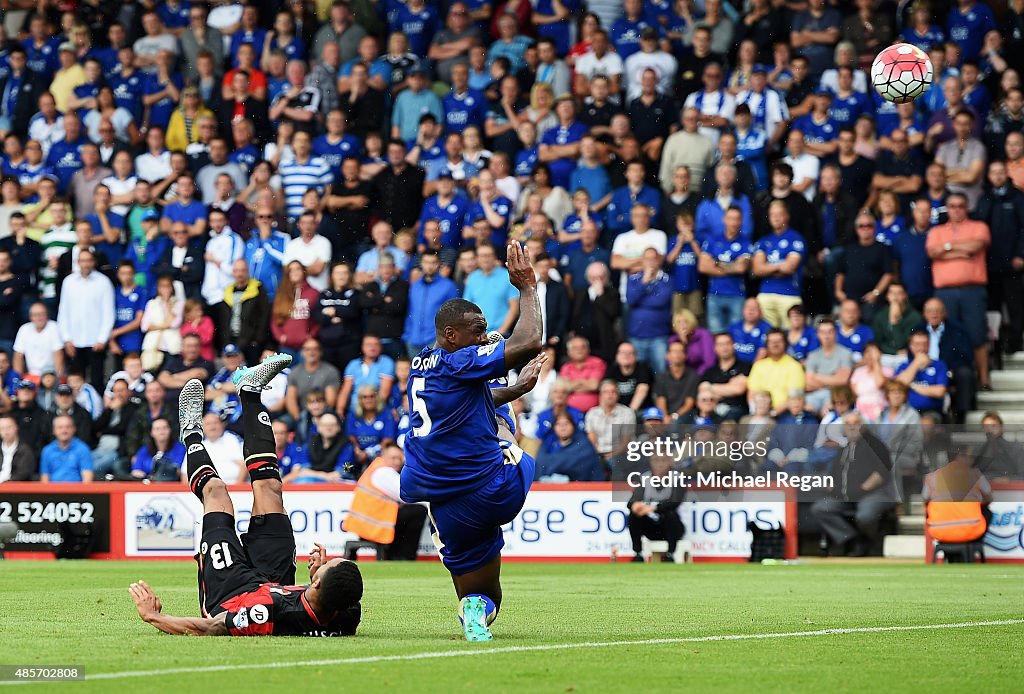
(246, 585)
(473, 482)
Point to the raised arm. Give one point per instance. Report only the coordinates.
(525, 342)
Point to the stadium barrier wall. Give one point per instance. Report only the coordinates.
(1004, 541)
(572, 522)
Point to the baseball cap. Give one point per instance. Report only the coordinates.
(445, 173)
(231, 350)
(648, 33)
(418, 70)
(50, 177)
(653, 413)
(822, 90)
(703, 423)
(63, 389)
(760, 67)
(150, 215)
(66, 46)
(25, 383)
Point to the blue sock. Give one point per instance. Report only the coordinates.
(492, 609)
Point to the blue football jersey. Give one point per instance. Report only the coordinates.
(452, 446)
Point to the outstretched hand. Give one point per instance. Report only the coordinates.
(520, 269)
(530, 373)
(146, 601)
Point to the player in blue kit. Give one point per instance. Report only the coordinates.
(472, 481)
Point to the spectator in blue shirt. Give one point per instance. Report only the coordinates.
(635, 192)
(369, 429)
(625, 32)
(426, 295)
(66, 458)
(510, 44)
(412, 103)
(65, 156)
(545, 421)
(264, 250)
(373, 368)
(967, 24)
(779, 260)
(560, 145)
(162, 457)
(488, 287)
(574, 264)
(926, 377)
(463, 106)
(649, 295)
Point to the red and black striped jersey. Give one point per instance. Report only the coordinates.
(275, 609)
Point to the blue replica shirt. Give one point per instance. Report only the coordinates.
(725, 251)
(450, 217)
(128, 93)
(463, 110)
(246, 157)
(684, 269)
(432, 153)
(503, 206)
(855, 339)
(593, 179)
(419, 27)
(932, 37)
(89, 90)
(113, 251)
(625, 35)
(144, 461)
(64, 159)
(126, 308)
(334, 153)
(816, 132)
(807, 343)
(935, 374)
(776, 248)
(227, 406)
(525, 161)
(188, 213)
(363, 374)
(491, 293)
(370, 435)
(546, 423)
(979, 99)
(265, 258)
(174, 17)
(256, 38)
(562, 168)
(887, 118)
(847, 109)
(294, 457)
(750, 147)
(556, 31)
(747, 342)
(452, 446)
(969, 28)
(709, 221)
(908, 249)
(621, 204)
(293, 50)
(887, 233)
(160, 112)
(575, 263)
(44, 59)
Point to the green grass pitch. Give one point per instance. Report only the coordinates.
(54, 613)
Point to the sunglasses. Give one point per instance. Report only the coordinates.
(264, 216)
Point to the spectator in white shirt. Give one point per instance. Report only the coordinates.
(155, 164)
(86, 317)
(225, 449)
(649, 57)
(222, 250)
(805, 165)
(38, 345)
(601, 60)
(311, 249)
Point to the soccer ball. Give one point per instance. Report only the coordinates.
(901, 73)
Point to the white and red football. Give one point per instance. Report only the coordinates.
(901, 73)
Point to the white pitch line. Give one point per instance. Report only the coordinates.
(546, 647)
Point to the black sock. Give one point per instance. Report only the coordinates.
(258, 445)
(199, 466)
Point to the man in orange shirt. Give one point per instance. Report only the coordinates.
(960, 275)
(1015, 159)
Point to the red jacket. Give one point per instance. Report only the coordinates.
(300, 324)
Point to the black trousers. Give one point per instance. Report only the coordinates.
(832, 515)
(1007, 288)
(408, 529)
(89, 362)
(668, 527)
(963, 397)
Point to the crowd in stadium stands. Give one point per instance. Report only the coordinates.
(735, 237)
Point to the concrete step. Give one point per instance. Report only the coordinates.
(1000, 400)
(1011, 418)
(912, 525)
(917, 507)
(1017, 358)
(903, 547)
(1008, 380)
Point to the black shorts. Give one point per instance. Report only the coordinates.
(229, 566)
